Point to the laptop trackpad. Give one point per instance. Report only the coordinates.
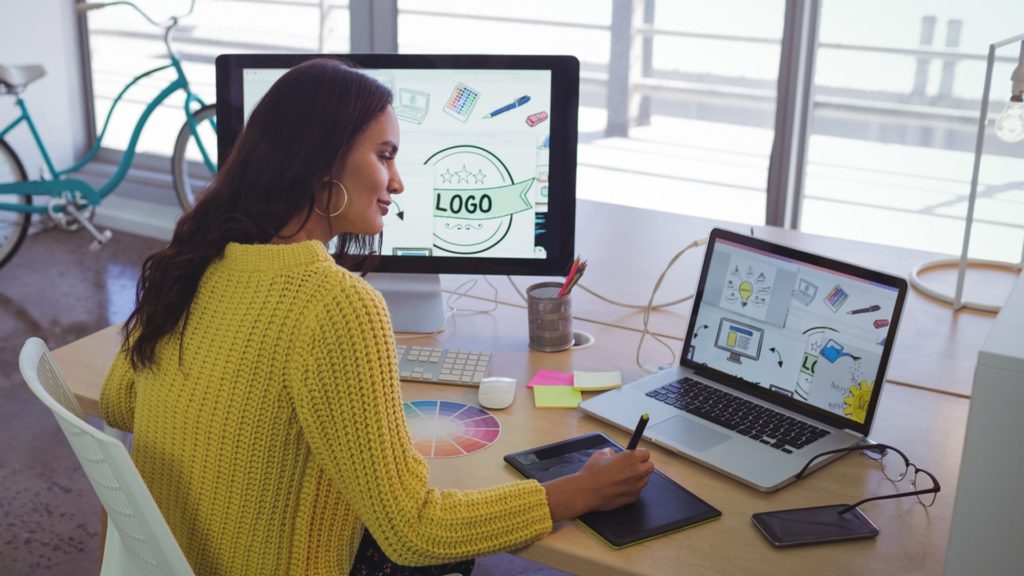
(681, 430)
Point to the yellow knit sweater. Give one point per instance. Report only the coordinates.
(281, 434)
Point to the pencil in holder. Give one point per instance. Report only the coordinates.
(549, 316)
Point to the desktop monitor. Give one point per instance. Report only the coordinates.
(739, 340)
(487, 156)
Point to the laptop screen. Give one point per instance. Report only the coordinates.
(413, 98)
(814, 333)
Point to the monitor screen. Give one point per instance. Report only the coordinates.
(812, 330)
(487, 155)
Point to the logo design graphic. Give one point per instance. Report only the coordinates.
(475, 198)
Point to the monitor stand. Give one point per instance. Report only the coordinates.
(414, 300)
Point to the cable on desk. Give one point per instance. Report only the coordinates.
(607, 299)
(650, 306)
(516, 288)
(647, 308)
(457, 295)
(454, 297)
(636, 306)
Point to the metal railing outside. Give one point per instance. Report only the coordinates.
(630, 81)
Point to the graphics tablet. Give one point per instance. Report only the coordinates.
(664, 506)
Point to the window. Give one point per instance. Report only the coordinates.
(678, 99)
(700, 98)
(895, 121)
(123, 45)
(711, 89)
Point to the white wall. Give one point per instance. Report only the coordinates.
(45, 32)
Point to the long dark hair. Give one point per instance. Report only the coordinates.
(305, 123)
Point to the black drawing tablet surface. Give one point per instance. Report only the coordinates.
(664, 506)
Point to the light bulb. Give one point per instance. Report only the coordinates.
(1010, 124)
(746, 289)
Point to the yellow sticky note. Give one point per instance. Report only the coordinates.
(596, 381)
(556, 397)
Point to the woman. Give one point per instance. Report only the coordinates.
(260, 378)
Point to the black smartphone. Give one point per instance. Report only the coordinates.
(817, 525)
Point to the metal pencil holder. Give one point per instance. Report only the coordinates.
(550, 317)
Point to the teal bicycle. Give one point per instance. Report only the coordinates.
(71, 202)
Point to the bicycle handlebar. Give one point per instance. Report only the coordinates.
(87, 6)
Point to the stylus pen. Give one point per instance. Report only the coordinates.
(639, 432)
(519, 102)
(872, 308)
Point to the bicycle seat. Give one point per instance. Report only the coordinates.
(16, 78)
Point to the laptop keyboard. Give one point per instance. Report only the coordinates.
(441, 365)
(757, 421)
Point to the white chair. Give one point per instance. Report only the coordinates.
(138, 538)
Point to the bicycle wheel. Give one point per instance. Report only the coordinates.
(189, 171)
(13, 225)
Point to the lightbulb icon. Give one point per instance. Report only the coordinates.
(746, 289)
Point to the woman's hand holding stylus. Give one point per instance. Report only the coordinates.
(607, 481)
(616, 479)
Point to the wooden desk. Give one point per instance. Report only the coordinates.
(912, 539)
(627, 248)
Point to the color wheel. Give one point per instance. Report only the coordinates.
(442, 429)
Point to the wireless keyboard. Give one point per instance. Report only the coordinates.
(441, 365)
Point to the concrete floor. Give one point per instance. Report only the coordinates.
(56, 289)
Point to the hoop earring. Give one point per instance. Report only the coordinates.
(343, 204)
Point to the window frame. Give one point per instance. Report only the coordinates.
(373, 28)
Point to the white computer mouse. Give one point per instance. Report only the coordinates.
(496, 392)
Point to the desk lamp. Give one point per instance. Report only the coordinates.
(1009, 128)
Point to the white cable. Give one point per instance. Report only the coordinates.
(647, 311)
(516, 288)
(647, 308)
(607, 299)
(454, 297)
(457, 295)
(637, 306)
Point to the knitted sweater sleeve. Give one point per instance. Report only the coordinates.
(346, 392)
(117, 399)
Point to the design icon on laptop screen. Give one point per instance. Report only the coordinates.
(413, 105)
(805, 291)
(857, 402)
(836, 298)
(834, 351)
(739, 340)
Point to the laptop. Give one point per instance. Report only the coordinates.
(784, 358)
(412, 105)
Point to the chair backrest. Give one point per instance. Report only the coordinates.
(148, 546)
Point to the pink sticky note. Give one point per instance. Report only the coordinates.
(550, 378)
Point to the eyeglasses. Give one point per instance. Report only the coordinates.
(896, 466)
